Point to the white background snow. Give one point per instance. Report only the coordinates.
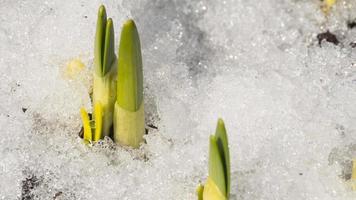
(289, 105)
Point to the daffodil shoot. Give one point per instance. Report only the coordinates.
(105, 72)
(104, 81)
(129, 119)
(117, 86)
(217, 186)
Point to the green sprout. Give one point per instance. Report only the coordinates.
(117, 91)
(104, 69)
(104, 78)
(129, 118)
(217, 186)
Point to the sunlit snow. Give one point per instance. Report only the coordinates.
(289, 105)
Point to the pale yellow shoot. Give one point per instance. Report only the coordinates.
(212, 191)
(98, 109)
(129, 126)
(73, 68)
(353, 175)
(104, 93)
(200, 190)
(330, 2)
(327, 5)
(86, 124)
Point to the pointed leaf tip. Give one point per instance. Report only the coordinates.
(102, 11)
(223, 147)
(221, 122)
(109, 47)
(99, 40)
(104, 46)
(130, 23)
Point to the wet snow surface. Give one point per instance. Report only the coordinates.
(289, 104)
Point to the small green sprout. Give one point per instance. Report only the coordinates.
(217, 186)
(104, 78)
(117, 91)
(129, 118)
(104, 69)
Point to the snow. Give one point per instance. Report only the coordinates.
(288, 104)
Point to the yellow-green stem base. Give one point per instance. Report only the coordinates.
(212, 192)
(104, 92)
(129, 127)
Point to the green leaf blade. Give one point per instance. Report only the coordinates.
(216, 167)
(109, 56)
(223, 146)
(99, 40)
(200, 191)
(130, 74)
